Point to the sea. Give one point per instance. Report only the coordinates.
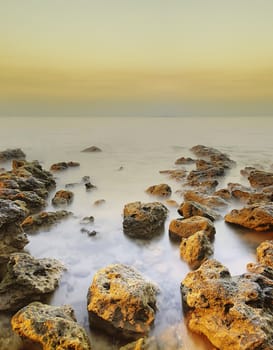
(134, 152)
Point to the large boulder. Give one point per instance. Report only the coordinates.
(28, 279)
(196, 249)
(10, 212)
(190, 208)
(9, 154)
(161, 190)
(211, 201)
(214, 155)
(53, 327)
(43, 220)
(255, 217)
(184, 228)
(259, 178)
(144, 220)
(232, 312)
(121, 302)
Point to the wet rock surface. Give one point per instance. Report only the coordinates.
(121, 302)
(232, 312)
(63, 166)
(190, 208)
(9, 154)
(54, 327)
(144, 220)
(211, 201)
(28, 279)
(62, 198)
(258, 217)
(184, 228)
(258, 178)
(249, 195)
(161, 190)
(44, 220)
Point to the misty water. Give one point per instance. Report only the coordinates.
(134, 151)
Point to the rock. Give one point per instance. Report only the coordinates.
(161, 190)
(190, 208)
(170, 339)
(184, 228)
(63, 165)
(122, 302)
(247, 170)
(28, 279)
(184, 160)
(205, 187)
(12, 237)
(32, 200)
(199, 175)
(265, 253)
(92, 149)
(178, 174)
(9, 154)
(87, 220)
(43, 220)
(215, 156)
(89, 186)
(213, 202)
(204, 151)
(223, 193)
(144, 220)
(99, 202)
(232, 312)
(196, 249)
(62, 198)
(88, 232)
(248, 195)
(54, 327)
(259, 179)
(8, 339)
(254, 217)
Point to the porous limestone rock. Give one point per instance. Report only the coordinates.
(144, 220)
(215, 156)
(190, 208)
(259, 178)
(232, 312)
(258, 217)
(62, 198)
(184, 228)
(161, 190)
(249, 195)
(121, 302)
(264, 253)
(43, 220)
(211, 201)
(9, 154)
(54, 327)
(63, 165)
(28, 279)
(196, 249)
(32, 200)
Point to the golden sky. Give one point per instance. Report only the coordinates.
(97, 53)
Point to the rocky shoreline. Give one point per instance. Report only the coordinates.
(232, 312)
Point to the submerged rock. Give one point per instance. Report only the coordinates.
(9, 154)
(255, 217)
(121, 302)
(190, 208)
(63, 165)
(144, 220)
(184, 228)
(196, 249)
(161, 190)
(54, 327)
(28, 279)
(43, 220)
(62, 198)
(232, 312)
(92, 149)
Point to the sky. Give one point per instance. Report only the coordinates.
(136, 57)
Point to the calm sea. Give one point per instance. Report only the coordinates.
(134, 150)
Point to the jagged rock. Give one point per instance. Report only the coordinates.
(214, 155)
(204, 151)
(12, 237)
(265, 253)
(28, 279)
(168, 339)
(259, 178)
(247, 170)
(190, 208)
(62, 197)
(161, 190)
(178, 174)
(223, 193)
(249, 195)
(196, 249)
(232, 312)
(92, 149)
(9, 154)
(184, 160)
(213, 202)
(121, 302)
(144, 220)
(43, 220)
(54, 327)
(255, 217)
(32, 200)
(63, 165)
(184, 228)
